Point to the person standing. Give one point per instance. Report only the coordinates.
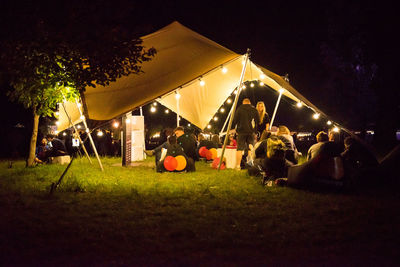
(245, 121)
(263, 124)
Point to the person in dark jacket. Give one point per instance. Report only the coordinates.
(246, 120)
(186, 142)
(57, 147)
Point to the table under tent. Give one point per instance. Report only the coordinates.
(191, 75)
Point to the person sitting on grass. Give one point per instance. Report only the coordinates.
(291, 152)
(174, 149)
(57, 147)
(186, 142)
(41, 151)
(322, 138)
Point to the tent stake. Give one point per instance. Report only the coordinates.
(239, 90)
(89, 135)
(276, 108)
(80, 140)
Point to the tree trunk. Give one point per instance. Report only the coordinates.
(32, 149)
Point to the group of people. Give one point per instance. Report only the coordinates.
(50, 146)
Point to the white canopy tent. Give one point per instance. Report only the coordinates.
(202, 71)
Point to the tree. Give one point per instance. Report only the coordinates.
(48, 60)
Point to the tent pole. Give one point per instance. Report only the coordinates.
(226, 121)
(76, 130)
(276, 108)
(89, 135)
(177, 96)
(239, 90)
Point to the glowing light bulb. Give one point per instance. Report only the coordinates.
(57, 113)
(235, 92)
(56, 132)
(87, 130)
(224, 70)
(229, 101)
(153, 109)
(116, 124)
(215, 118)
(252, 85)
(299, 104)
(100, 133)
(202, 83)
(222, 110)
(166, 111)
(261, 84)
(78, 127)
(57, 123)
(64, 134)
(155, 104)
(262, 76)
(281, 90)
(329, 122)
(177, 95)
(189, 124)
(243, 87)
(209, 126)
(82, 117)
(335, 129)
(316, 116)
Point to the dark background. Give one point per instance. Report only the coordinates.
(341, 55)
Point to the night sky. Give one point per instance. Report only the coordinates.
(339, 55)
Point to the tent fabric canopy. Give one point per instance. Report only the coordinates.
(183, 58)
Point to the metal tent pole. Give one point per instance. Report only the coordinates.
(89, 135)
(226, 121)
(239, 88)
(177, 96)
(276, 107)
(76, 130)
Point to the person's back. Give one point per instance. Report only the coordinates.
(246, 119)
(315, 149)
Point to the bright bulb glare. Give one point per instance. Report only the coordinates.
(57, 113)
(209, 126)
(100, 133)
(189, 124)
(116, 124)
(82, 117)
(316, 116)
(262, 76)
(177, 95)
(252, 85)
(281, 90)
(261, 84)
(229, 101)
(202, 83)
(243, 87)
(167, 111)
(224, 70)
(87, 130)
(155, 104)
(329, 122)
(299, 104)
(222, 110)
(235, 92)
(336, 129)
(215, 118)
(153, 109)
(57, 123)
(64, 134)
(56, 132)
(78, 127)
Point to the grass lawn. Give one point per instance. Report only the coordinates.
(135, 216)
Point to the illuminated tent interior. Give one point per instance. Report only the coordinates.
(188, 64)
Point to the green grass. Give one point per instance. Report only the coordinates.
(135, 216)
